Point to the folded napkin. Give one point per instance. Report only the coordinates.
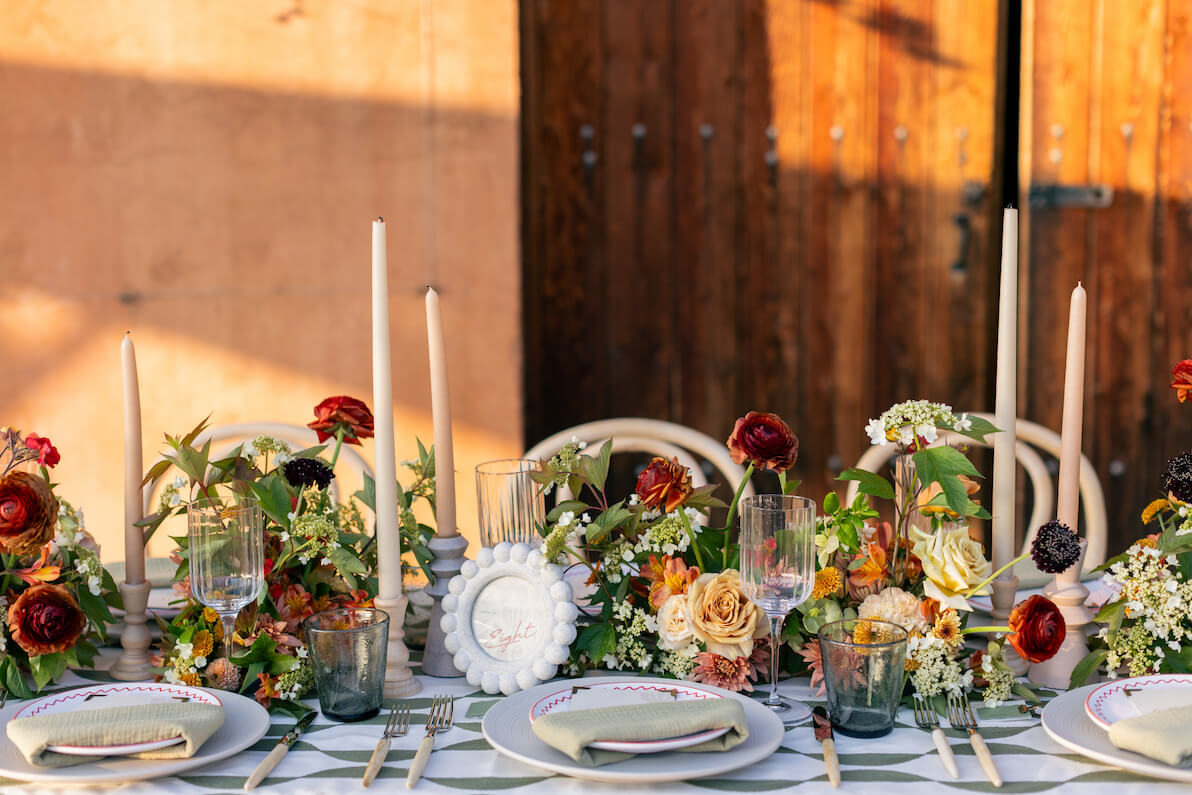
(1165, 735)
(116, 726)
(574, 730)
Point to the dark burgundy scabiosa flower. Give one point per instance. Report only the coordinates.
(303, 472)
(1055, 548)
(1177, 480)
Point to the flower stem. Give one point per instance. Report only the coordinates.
(972, 591)
(974, 630)
(732, 515)
(339, 442)
(699, 561)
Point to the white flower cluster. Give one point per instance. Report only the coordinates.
(902, 422)
(999, 679)
(566, 533)
(678, 663)
(266, 445)
(87, 564)
(937, 671)
(1159, 600)
(614, 560)
(171, 495)
(316, 536)
(630, 623)
(668, 536)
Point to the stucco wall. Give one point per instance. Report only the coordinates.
(204, 174)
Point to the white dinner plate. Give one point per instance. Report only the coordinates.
(245, 722)
(1138, 695)
(1066, 720)
(561, 700)
(115, 695)
(507, 728)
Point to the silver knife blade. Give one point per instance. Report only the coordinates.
(823, 724)
(302, 725)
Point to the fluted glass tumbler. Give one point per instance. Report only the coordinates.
(864, 660)
(226, 539)
(348, 650)
(778, 573)
(511, 504)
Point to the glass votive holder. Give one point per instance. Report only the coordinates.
(347, 649)
(511, 504)
(863, 663)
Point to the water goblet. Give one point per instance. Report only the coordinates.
(778, 573)
(227, 557)
(511, 504)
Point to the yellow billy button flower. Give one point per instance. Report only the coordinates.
(827, 582)
(1149, 513)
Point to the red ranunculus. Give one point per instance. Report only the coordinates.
(28, 512)
(764, 439)
(1181, 379)
(47, 454)
(1036, 629)
(664, 484)
(344, 412)
(46, 619)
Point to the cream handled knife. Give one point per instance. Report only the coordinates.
(279, 750)
(823, 733)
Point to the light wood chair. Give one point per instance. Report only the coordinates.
(1093, 519)
(658, 437)
(225, 438)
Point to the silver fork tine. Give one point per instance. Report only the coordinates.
(927, 718)
(960, 715)
(405, 720)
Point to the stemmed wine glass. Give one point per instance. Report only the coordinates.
(778, 573)
(227, 557)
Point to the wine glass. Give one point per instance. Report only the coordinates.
(778, 573)
(227, 557)
(511, 504)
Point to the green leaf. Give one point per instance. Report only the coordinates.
(14, 683)
(981, 428)
(1112, 615)
(96, 610)
(598, 640)
(598, 473)
(831, 502)
(368, 494)
(871, 483)
(157, 470)
(575, 506)
(944, 465)
(46, 668)
(849, 540)
(1086, 667)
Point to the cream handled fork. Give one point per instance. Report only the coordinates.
(960, 715)
(397, 725)
(442, 712)
(926, 717)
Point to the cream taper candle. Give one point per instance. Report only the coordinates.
(1068, 497)
(134, 507)
(388, 531)
(441, 407)
(1006, 402)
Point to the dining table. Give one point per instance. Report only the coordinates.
(331, 757)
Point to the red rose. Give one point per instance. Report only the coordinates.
(344, 412)
(764, 439)
(1181, 382)
(664, 483)
(1036, 629)
(47, 454)
(28, 512)
(46, 619)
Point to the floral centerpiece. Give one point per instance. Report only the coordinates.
(1147, 624)
(665, 596)
(54, 594)
(319, 554)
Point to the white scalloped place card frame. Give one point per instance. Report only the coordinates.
(508, 618)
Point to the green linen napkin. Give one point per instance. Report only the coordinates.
(1165, 735)
(572, 732)
(115, 726)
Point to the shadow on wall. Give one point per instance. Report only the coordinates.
(229, 229)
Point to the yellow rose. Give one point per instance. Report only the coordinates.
(674, 630)
(722, 616)
(952, 562)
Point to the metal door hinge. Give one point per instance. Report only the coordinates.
(1093, 197)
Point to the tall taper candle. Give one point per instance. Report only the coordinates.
(388, 531)
(399, 680)
(440, 399)
(134, 508)
(1068, 498)
(1066, 590)
(1006, 403)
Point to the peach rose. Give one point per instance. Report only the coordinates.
(722, 616)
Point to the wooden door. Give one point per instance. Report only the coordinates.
(772, 204)
(1107, 105)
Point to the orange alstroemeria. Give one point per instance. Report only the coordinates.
(39, 571)
(873, 571)
(1181, 382)
(668, 577)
